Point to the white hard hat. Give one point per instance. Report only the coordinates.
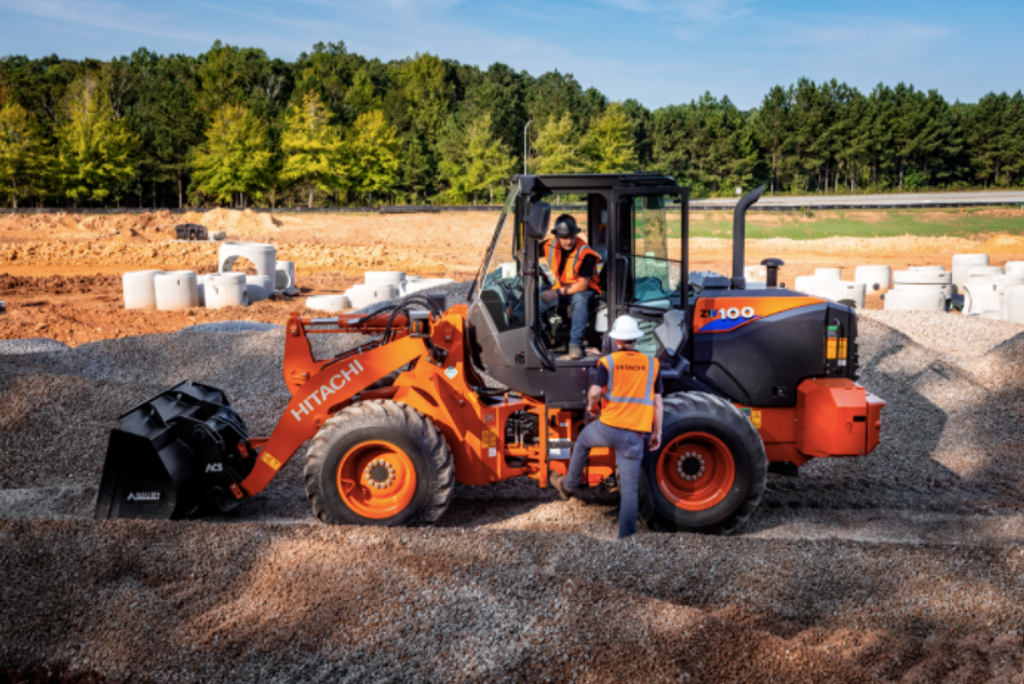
(625, 328)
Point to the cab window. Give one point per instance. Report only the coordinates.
(501, 290)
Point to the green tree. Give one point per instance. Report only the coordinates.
(557, 150)
(313, 148)
(236, 160)
(374, 154)
(474, 162)
(24, 154)
(94, 149)
(244, 76)
(168, 120)
(772, 129)
(608, 144)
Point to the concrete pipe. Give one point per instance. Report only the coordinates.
(1011, 304)
(927, 269)
(263, 257)
(921, 278)
(982, 293)
(425, 284)
(806, 284)
(140, 289)
(924, 280)
(176, 290)
(258, 288)
(1014, 268)
(364, 294)
(395, 278)
(202, 281)
(961, 262)
(876, 279)
(825, 275)
(284, 275)
(226, 289)
(982, 271)
(845, 292)
(915, 300)
(329, 303)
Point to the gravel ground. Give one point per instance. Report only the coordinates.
(31, 345)
(905, 565)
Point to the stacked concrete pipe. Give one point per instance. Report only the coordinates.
(961, 264)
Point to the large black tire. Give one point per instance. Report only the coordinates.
(396, 426)
(703, 414)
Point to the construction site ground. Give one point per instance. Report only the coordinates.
(906, 565)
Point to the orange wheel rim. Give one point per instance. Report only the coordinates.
(376, 479)
(695, 471)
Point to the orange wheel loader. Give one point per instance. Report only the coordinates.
(757, 378)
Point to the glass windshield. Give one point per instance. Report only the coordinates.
(501, 290)
(656, 255)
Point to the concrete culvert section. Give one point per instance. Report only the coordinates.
(263, 257)
(140, 289)
(226, 289)
(876, 279)
(176, 290)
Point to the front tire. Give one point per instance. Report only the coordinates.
(711, 471)
(379, 463)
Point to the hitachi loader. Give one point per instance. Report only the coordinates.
(757, 378)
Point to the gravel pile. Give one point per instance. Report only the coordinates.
(515, 585)
(230, 326)
(194, 602)
(31, 345)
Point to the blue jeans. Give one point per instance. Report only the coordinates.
(580, 313)
(629, 451)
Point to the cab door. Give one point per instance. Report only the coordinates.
(650, 276)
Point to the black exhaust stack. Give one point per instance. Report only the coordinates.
(181, 451)
(739, 237)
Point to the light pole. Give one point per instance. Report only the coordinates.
(526, 144)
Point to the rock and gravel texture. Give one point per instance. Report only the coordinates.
(906, 565)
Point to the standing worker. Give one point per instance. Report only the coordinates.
(628, 386)
(574, 266)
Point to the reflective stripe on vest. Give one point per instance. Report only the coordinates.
(629, 411)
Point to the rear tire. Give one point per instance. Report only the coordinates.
(710, 473)
(379, 463)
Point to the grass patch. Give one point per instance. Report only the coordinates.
(860, 223)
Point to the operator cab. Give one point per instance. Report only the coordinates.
(633, 222)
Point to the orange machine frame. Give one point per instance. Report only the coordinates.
(832, 417)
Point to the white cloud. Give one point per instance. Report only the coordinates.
(704, 11)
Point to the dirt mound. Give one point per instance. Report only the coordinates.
(1003, 244)
(236, 223)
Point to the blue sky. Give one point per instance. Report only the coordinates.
(657, 51)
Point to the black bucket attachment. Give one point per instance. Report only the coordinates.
(175, 454)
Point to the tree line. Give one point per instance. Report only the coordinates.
(233, 126)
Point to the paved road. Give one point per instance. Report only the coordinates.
(924, 199)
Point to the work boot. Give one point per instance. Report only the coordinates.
(556, 480)
(575, 353)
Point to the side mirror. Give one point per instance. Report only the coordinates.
(538, 220)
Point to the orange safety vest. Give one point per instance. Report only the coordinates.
(628, 399)
(554, 256)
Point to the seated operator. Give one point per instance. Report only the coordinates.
(574, 266)
(628, 385)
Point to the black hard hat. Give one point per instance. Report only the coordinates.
(565, 226)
